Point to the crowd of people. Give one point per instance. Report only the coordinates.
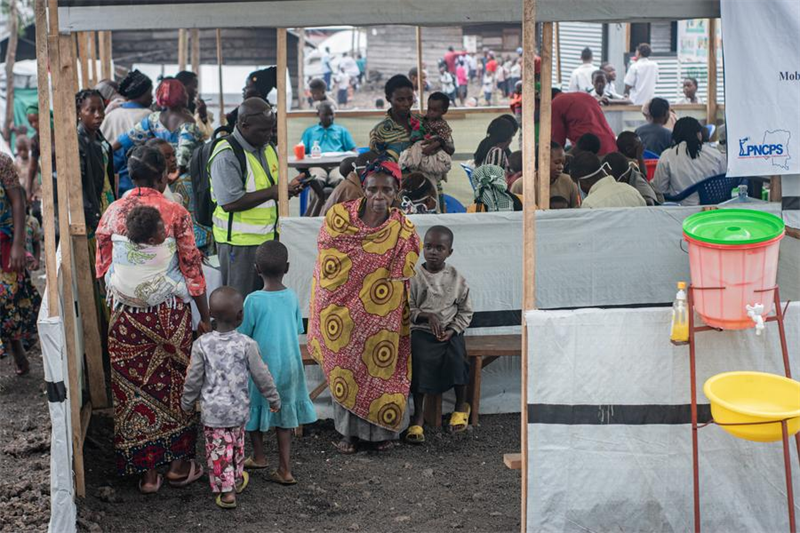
(162, 190)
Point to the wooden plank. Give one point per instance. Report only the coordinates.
(110, 54)
(102, 49)
(711, 100)
(476, 364)
(182, 50)
(92, 38)
(69, 171)
(63, 72)
(513, 461)
(433, 410)
(45, 161)
(195, 55)
(301, 78)
(420, 80)
(283, 142)
(83, 58)
(222, 118)
(86, 417)
(545, 115)
(528, 227)
(558, 53)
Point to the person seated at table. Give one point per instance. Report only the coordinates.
(655, 136)
(603, 91)
(494, 148)
(601, 189)
(514, 171)
(687, 162)
(561, 185)
(319, 93)
(351, 188)
(626, 171)
(418, 195)
(588, 142)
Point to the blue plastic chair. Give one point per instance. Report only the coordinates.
(452, 205)
(712, 191)
(304, 201)
(650, 155)
(468, 170)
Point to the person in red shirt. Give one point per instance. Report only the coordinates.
(491, 64)
(574, 114)
(450, 59)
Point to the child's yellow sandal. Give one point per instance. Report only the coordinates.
(415, 435)
(459, 420)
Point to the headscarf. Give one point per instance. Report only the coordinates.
(491, 188)
(134, 85)
(32, 109)
(170, 93)
(382, 166)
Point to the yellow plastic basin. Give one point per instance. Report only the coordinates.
(742, 397)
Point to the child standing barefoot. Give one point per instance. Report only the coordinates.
(440, 312)
(218, 374)
(272, 318)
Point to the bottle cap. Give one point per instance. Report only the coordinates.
(681, 285)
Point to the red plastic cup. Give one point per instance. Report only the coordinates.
(299, 152)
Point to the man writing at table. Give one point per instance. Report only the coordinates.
(246, 195)
(331, 138)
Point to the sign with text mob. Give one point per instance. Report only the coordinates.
(762, 108)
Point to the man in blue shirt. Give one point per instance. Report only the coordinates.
(331, 137)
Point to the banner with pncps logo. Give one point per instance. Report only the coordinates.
(762, 87)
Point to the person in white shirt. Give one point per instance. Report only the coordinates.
(599, 185)
(642, 76)
(603, 91)
(581, 78)
(448, 83)
(687, 162)
(690, 92)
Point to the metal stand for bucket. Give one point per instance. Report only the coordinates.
(777, 317)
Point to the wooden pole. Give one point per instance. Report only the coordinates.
(92, 58)
(196, 54)
(301, 59)
(182, 49)
(420, 78)
(283, 141)
(45, 161)
(711, 101)
(110, 54)
(558, 53)
(528, 225)
(11, 55)
(83, 58)
(222, 118)
(105, 67)
(545, 116)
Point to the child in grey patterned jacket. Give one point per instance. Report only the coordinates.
(219, 372)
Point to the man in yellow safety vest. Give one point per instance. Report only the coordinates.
(247, 202)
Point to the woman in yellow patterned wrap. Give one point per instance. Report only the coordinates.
(359, 320)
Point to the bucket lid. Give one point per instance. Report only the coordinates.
(733, 226)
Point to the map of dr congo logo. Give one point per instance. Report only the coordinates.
(773, 146)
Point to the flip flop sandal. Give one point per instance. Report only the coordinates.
(415, 435)
(459, 420)
(345, 448)
(251, 464)
(159, 482)
(195, 473)
(243, 485)
(225, 505)
(276, 478)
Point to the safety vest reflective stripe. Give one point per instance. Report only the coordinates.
(258, 224)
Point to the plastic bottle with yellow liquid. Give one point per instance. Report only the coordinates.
(680, 317)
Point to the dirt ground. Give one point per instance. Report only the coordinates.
(450, 483)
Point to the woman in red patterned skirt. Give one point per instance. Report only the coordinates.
(150, 283)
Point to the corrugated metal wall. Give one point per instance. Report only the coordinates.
(575, 36)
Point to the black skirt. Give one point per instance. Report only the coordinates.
(437, 367)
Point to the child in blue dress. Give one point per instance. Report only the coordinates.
(272, 318)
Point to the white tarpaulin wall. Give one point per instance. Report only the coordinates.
(609, 433)
(762, 86)
(584, 257)
(63, 513)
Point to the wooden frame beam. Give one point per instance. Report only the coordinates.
(301, 54)
(222, 118)
(83, 58)
(93, 79)
(283, 132)
(545, 116)
(420, 78)
(182, 49)
(528, 227)
(195, 54)
(711, 101)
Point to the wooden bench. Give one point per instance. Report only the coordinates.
(482, 350)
